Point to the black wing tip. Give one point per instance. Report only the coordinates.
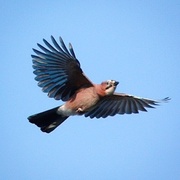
(31, 118)
(62, 44)
(45, 41)
(164, 100)
(61, 39)
(34, 50)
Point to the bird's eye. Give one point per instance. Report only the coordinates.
(108, 85)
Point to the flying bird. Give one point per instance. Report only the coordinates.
(59, 74)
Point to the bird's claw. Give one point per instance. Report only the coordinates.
(79, 110)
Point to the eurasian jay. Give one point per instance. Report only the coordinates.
(59, 74)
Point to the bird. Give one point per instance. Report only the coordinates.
(60, 75)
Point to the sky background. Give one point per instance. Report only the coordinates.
(134, 42)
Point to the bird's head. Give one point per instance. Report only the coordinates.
(109, 86)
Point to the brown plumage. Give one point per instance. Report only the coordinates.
(59, 74)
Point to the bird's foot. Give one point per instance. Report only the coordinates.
(79, 111)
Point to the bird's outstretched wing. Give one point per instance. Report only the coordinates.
(57, 70)
(121, 104)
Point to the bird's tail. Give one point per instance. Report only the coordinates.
(47, 120)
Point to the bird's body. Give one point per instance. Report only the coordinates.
(82, 101)
(59, 74)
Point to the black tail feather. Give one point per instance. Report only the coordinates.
(47, 120)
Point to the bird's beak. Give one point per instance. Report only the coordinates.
(116, 83)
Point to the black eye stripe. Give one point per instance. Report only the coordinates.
(109, 86)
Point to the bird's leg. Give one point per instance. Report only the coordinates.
(79, 111)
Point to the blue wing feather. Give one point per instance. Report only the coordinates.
(57, 70)
(121, 104)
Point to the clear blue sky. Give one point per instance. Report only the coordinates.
(135, 42)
